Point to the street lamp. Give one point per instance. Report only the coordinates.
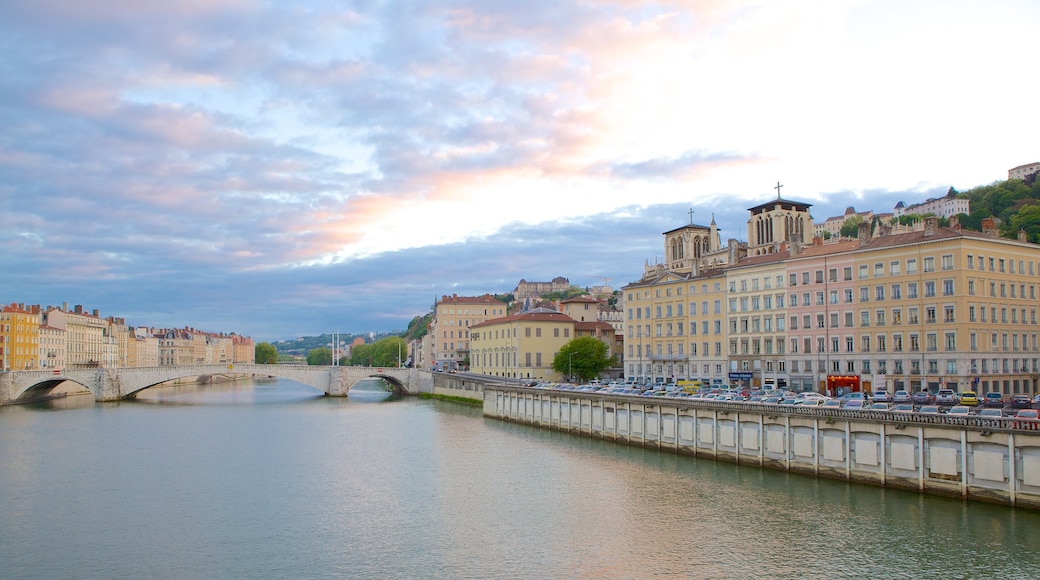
(570, 372)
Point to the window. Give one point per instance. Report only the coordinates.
(947, 262)
(911, 290)
(879, 292)
(847, 273)
(911, 266)
(929, 264)
(897, 293)
(894, 268)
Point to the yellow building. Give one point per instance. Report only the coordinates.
(19, 338)
(520, 346)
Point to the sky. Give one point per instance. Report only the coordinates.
(284, 169)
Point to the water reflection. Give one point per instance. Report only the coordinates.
(371, 390)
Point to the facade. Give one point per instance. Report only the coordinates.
(19, 338)
(533, 290)
(833, 225)
(776, 223)
(89, 340)
(522, 345)
(1024, 171)
(52, 348)
(905, 307)
(453, 317)
(946, 206)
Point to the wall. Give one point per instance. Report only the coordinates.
(987, 460)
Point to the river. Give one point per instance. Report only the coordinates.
(272, 479)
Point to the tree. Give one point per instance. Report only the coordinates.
(850, 229)
(584, 357)
(382, 353)
(319, 356)
(265, 354)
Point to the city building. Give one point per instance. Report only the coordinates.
(522, 345)
(89, 342)
(903, 306)
(1024, 171)
(833, 225)
(19, 338)
(52, 348)
(525, 290)
(946, 206)
(454, 315)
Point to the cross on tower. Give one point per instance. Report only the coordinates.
(691, 216)
(777, 188)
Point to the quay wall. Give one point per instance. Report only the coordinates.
(991, 460)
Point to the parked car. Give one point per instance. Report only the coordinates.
(901, 396)
(855, 396)
(946, 397)
(969, 399)
(1021, 402)
(1027, 419)
(881, 396)
(993, 399)
(880, 407)
(903, 408)
(928, 410)
(991, 412)
(923, 398)
(959, 411)
(855, 404)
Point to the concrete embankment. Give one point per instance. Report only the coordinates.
(992, 460)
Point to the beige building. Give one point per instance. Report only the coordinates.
(522, 345)
(89, 342)
(1023, 171)
(453, 317)
(52, 348)
(946, 206)
(525, 290)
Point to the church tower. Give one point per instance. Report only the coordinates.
(685, 246)
(777, 222)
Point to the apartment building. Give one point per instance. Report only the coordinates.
(88, 337)
(52, 348)
(450, 329)
(521, 345)
(904, 307)
(19, 338)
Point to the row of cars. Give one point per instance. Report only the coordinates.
(950, 398)
(901, 402)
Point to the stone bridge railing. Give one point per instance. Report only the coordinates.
(113, 384)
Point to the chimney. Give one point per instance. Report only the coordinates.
(79, 309)
(96, 313)
(64, 306)
(990, 227)
(931, 226)
(817, 241)
(955, 222)
(863, 235)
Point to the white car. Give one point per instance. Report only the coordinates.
(881, 396)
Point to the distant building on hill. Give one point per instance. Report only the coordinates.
(945, 206)
(525, 289)
(1024, 171)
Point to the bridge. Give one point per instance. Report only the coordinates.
(114, 384)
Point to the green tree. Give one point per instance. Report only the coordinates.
(265, 354)
(584, 357)
(361, 355)
(1028, 219)
(319, 356)
(850, 229)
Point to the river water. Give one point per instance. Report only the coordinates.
(274, 480)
